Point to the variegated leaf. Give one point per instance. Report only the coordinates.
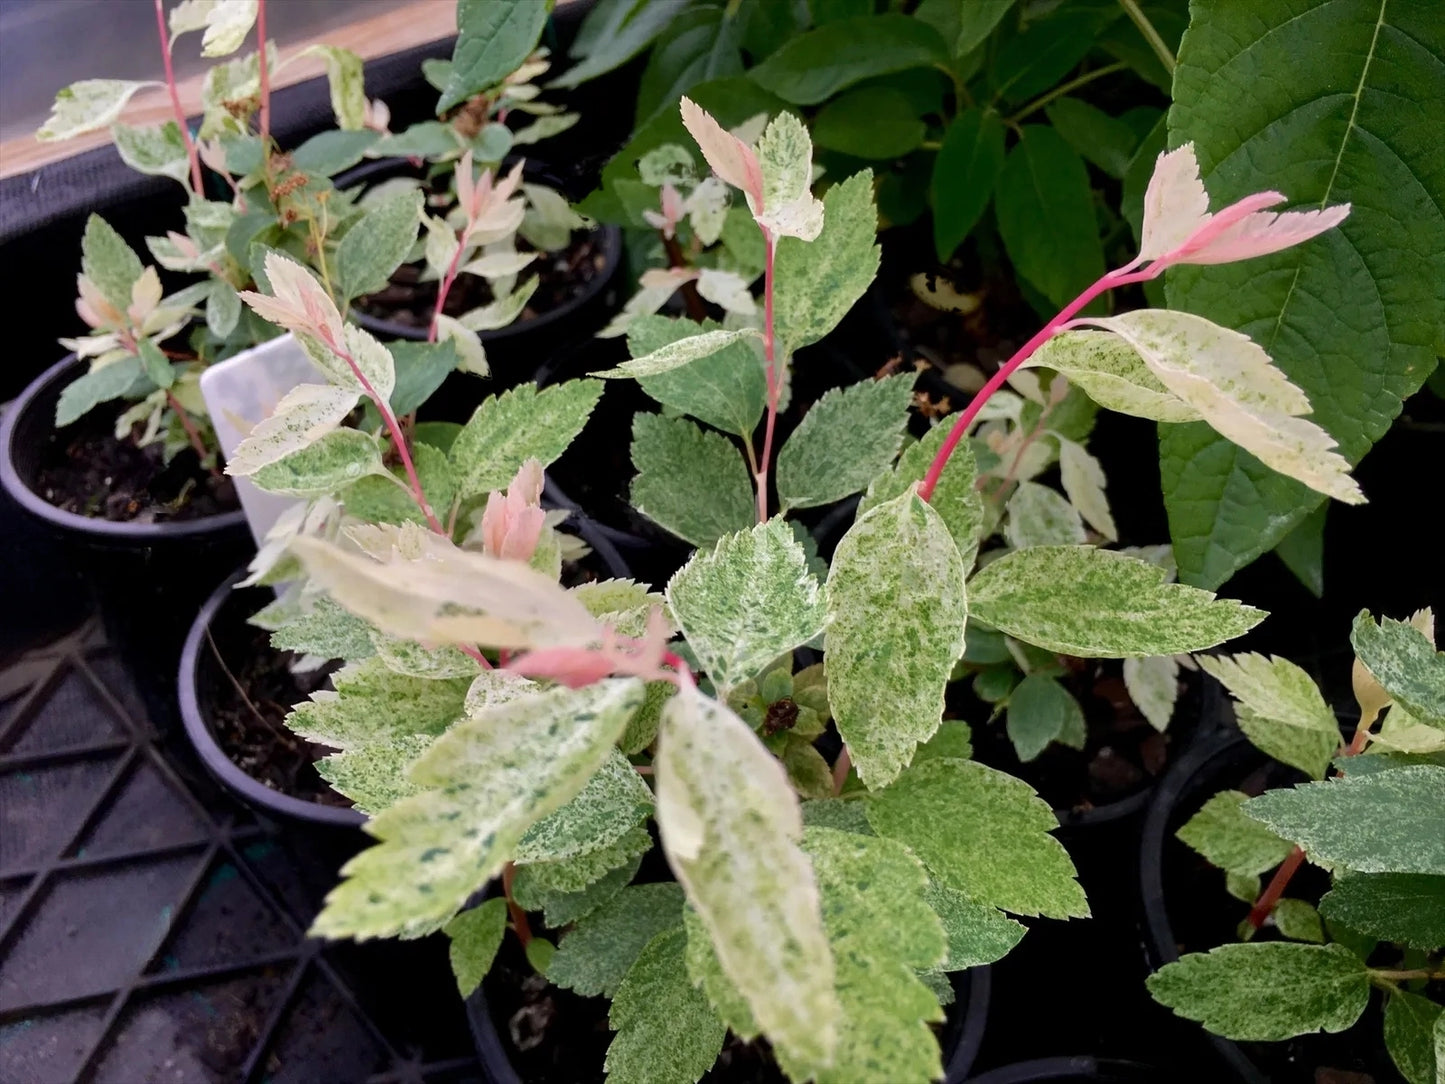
(1280, 708)
(679, 352)
(87, 106)
(1111, 372)
(304, 415)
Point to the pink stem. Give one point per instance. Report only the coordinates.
(265, 76)
(444, 287)
(191, 155)
(775, 383)
(1121, 277)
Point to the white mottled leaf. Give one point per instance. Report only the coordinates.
(503, 311)
(1111, 372)
(330, 464)
(304, 415)
(785, 155)
(667, 1033)
(614, 801)
(727, 390)
(1083, 481)
(1153, 684)
(1228, 839)
(691, 481)
(227, 24)
(475, 937)
(157, 150)
(956, 498)
(1037, 516)
(520, 424)
(87, 106)
(847, 439)
(1401, 657)
(1280, 708)
(593, 959)
(726, 289)
(679, 352)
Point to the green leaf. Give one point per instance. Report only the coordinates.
(89, 390)
(952, 739)
(223, 308)
(1232, 841)
(564, 908)
(109, 262)
(1405, 663)
(1078, 600)
(425, 139)
(1039, 516)
(1406, 908)
(689, 481)
(1031, 62)
(1387, 822)
(1303, 551)
(593, 958)
(492, 42)
(1103, 140)
(1411, 1022)
(475, 937)
(846, 440)
(376, 244)
(747, 602)
(612, 34)
(701, 44)
(158, 151)
(1006, 858)
(1046, 215)
(1111, 372)
(882, 932)
(614, 801)
(520, 424)
(667, 1033)
(817, 282)
(964, 24)
(730, 824)
(872, 123)
(565, 885)
(955, 498)
(1298, 921)
(328, 153)
(727, 389)
(87, 106)
(964, 173)
(381, 500)
(1352, 317)
(680, 352)
(898, 607)
(1266, 991)
(977, 934)
(814, 66)
(331, 464)
(420, 370)
(324, 629)
(491, 776)
(1040, 711)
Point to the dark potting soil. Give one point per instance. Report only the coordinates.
(87, 471)
(563, 276)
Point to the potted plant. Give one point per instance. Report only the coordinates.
(1355, 900)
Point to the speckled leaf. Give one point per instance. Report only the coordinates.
(374, 776)
(332, 463)
(882, 932)
(1041, 711)
(1405, 663)
(539, 882)
(844, 815)
(667, 1033)
(520, 424)
(748, 601)
(1299, 921)
(847, 439)
(108, 262)
(1267, 991)
(898, 609)
(304, 415)
(955, 498)
(1280, 708)
(492, 776)
(691, 481)
(785, 156)
(818, 281)
(1410, 1023)
(727, 389)
(410, 657)
(371, 358)
(642, 727)
(1078, 600)
(983, 833)
(977, 934)
(595, 955)
(730, 825)
(87, 106)
(564, 908)
(952, 739)
(1153, 685)
(1407, 908)
(614, 801)
(227, 24)
(1082, 477)
(1388, 822)
(1111, 372)
(475, 937)
(322, 629)
(156, 150)
(376, 244)
(378, 499)
(680, 352)
(1231, 841)
(1038, 516)
(621, 604)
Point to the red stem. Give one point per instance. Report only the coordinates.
(690, 297)
(265, 76)
(1277, 884)
(519, 916)
(775, 384)
(192, 433)
(444, 287)
(191, 155)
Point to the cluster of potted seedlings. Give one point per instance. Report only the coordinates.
(763, 813)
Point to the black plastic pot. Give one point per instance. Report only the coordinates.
(1072, 1071)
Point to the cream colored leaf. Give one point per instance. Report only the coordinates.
(227, 24)
(1083, 480)
(304, 415)
(1175, 203)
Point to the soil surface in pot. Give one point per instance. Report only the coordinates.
(562, 276)
(87, 471)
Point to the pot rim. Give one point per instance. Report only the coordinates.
(1084, 1066)
(19, 490)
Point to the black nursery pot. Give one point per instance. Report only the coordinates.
(1079, 1070)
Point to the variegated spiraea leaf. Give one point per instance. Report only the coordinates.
(898, 607)
(667, 1033)
(1153, 684)
(595, 955)
(730, 828)
(614, 801)
(1038, 516)
(554, 884)
(1402, 658)
(1083, 480)
(977, 933)
(1112, 373)
(521, 424)
(1228, 839)
(785, 155)
(690, 481)
(624, 605)
(955, 498)
(87, 106)
(304, 415)
(489, 778)
(1093, 603)
(314, 626)
(747, 602)
(475, 937)
(329, 465)
(1280, 708)
(680, 352)
(415, 584)
(727, 390)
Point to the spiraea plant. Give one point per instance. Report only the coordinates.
(1376, 825)
(499, 725)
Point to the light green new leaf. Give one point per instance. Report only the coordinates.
(730, 825)
(1266, 991)
(1387, 822)
(87, 106)
(877, 123)
(475, 937)
(98, 386)
(667, 1033)
(593, 958)
(1407, 908)
(1038, 516)
(492, 42)
(1041, 711)
(1005, 859)
(680, 352)
(727, 390)
(492, 775)
(376, 244)
(1153, 685)
(157, 150)
(108, 262)
(1078, 600)
(691, 481)
(304, 415)
(747, 602)
(520, 424)
(1405, 663)
(331, 464)
(1280, 708)
(898, 612)
(955, 498)
(817, 282)
(847, 439)
(977, 934)
(1111, 372)
(1232, 841)
(420, 370)
(614, 801)
(1410, 1024)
